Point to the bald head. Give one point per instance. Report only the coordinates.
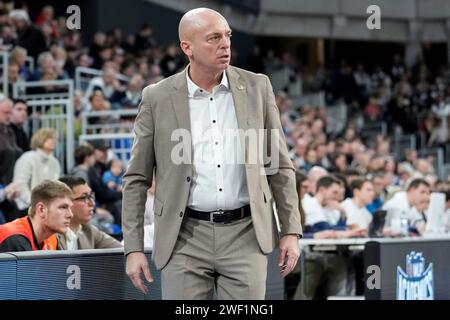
(314, 174)
(6, 107)
(195, 20)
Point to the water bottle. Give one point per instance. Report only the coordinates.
(404, 225)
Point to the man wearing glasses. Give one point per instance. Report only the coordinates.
(82, 234)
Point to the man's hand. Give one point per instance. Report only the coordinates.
(289, 249)
(137, 263)
(12, 191)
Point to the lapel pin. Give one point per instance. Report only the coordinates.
(241, 87)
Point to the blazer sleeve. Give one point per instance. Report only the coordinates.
(103, 240)
(281, 175)
(138, 177)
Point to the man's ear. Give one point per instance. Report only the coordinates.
(41, 209)
(186, 47)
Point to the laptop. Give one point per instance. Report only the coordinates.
(434, 213)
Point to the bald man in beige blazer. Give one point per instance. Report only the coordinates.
(214, 224)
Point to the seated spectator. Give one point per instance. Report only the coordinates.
(378, 182)
(18, 118)
(19, 56)
(9, 150)
(45, 19)
(113, 177)
(107, 83)
(325, 268)
(410, 206)
(49, 214)
(106, 198)
(30, 37)
(46, 64)
(130, 97)
(84, 160)
(355, 208)
(36, 165)
(313, 176)
(316, 219)
(13, 76)
(82, 234)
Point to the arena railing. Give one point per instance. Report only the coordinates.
(4, 67)
(402, 142)
(51, 109)
(438, 159)
(113, 125)
(119, 143)
(84, 75)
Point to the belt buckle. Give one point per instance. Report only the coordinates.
(212, 213)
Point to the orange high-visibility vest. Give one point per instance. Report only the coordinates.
(23, 227)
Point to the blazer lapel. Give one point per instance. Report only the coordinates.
(239, 91)
(180, 101)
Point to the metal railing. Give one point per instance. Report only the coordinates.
(53, 110)
(4, 67)
(402, 142)
(438, 159)
(84, 75)
(43, 90)
(119, 143)
(113, 125)
(374, 129)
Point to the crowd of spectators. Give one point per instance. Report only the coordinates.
(343, 177)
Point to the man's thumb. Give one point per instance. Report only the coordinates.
(147, 274)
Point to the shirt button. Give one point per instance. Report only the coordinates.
(220, 189)
(188, 179)
(181, 213)
(214, 121)
(211, 99)
(218, 166)
(217, 143)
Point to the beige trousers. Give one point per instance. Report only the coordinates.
(213, 256)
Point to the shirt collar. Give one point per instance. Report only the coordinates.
(195, 90)
(73, 235)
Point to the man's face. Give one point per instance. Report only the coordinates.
(367, 193)
(332, 193)
(378, 184)
(421, 197)
(83, 204)
(13, 73)
(19, 113)
(56, 216)
(5, 112)
(209, 46)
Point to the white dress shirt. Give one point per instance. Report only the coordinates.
(218, 181)
(399, 204)
(72, 238)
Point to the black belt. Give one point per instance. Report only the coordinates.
(220, 216)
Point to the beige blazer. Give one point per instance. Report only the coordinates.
(90, 238)
(165, 108)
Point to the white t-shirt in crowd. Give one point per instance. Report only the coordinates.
(313, 211)
(399, 204)
(355, 215)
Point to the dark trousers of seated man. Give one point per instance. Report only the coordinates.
(325, 274)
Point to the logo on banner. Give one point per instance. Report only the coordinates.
(416, 283)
